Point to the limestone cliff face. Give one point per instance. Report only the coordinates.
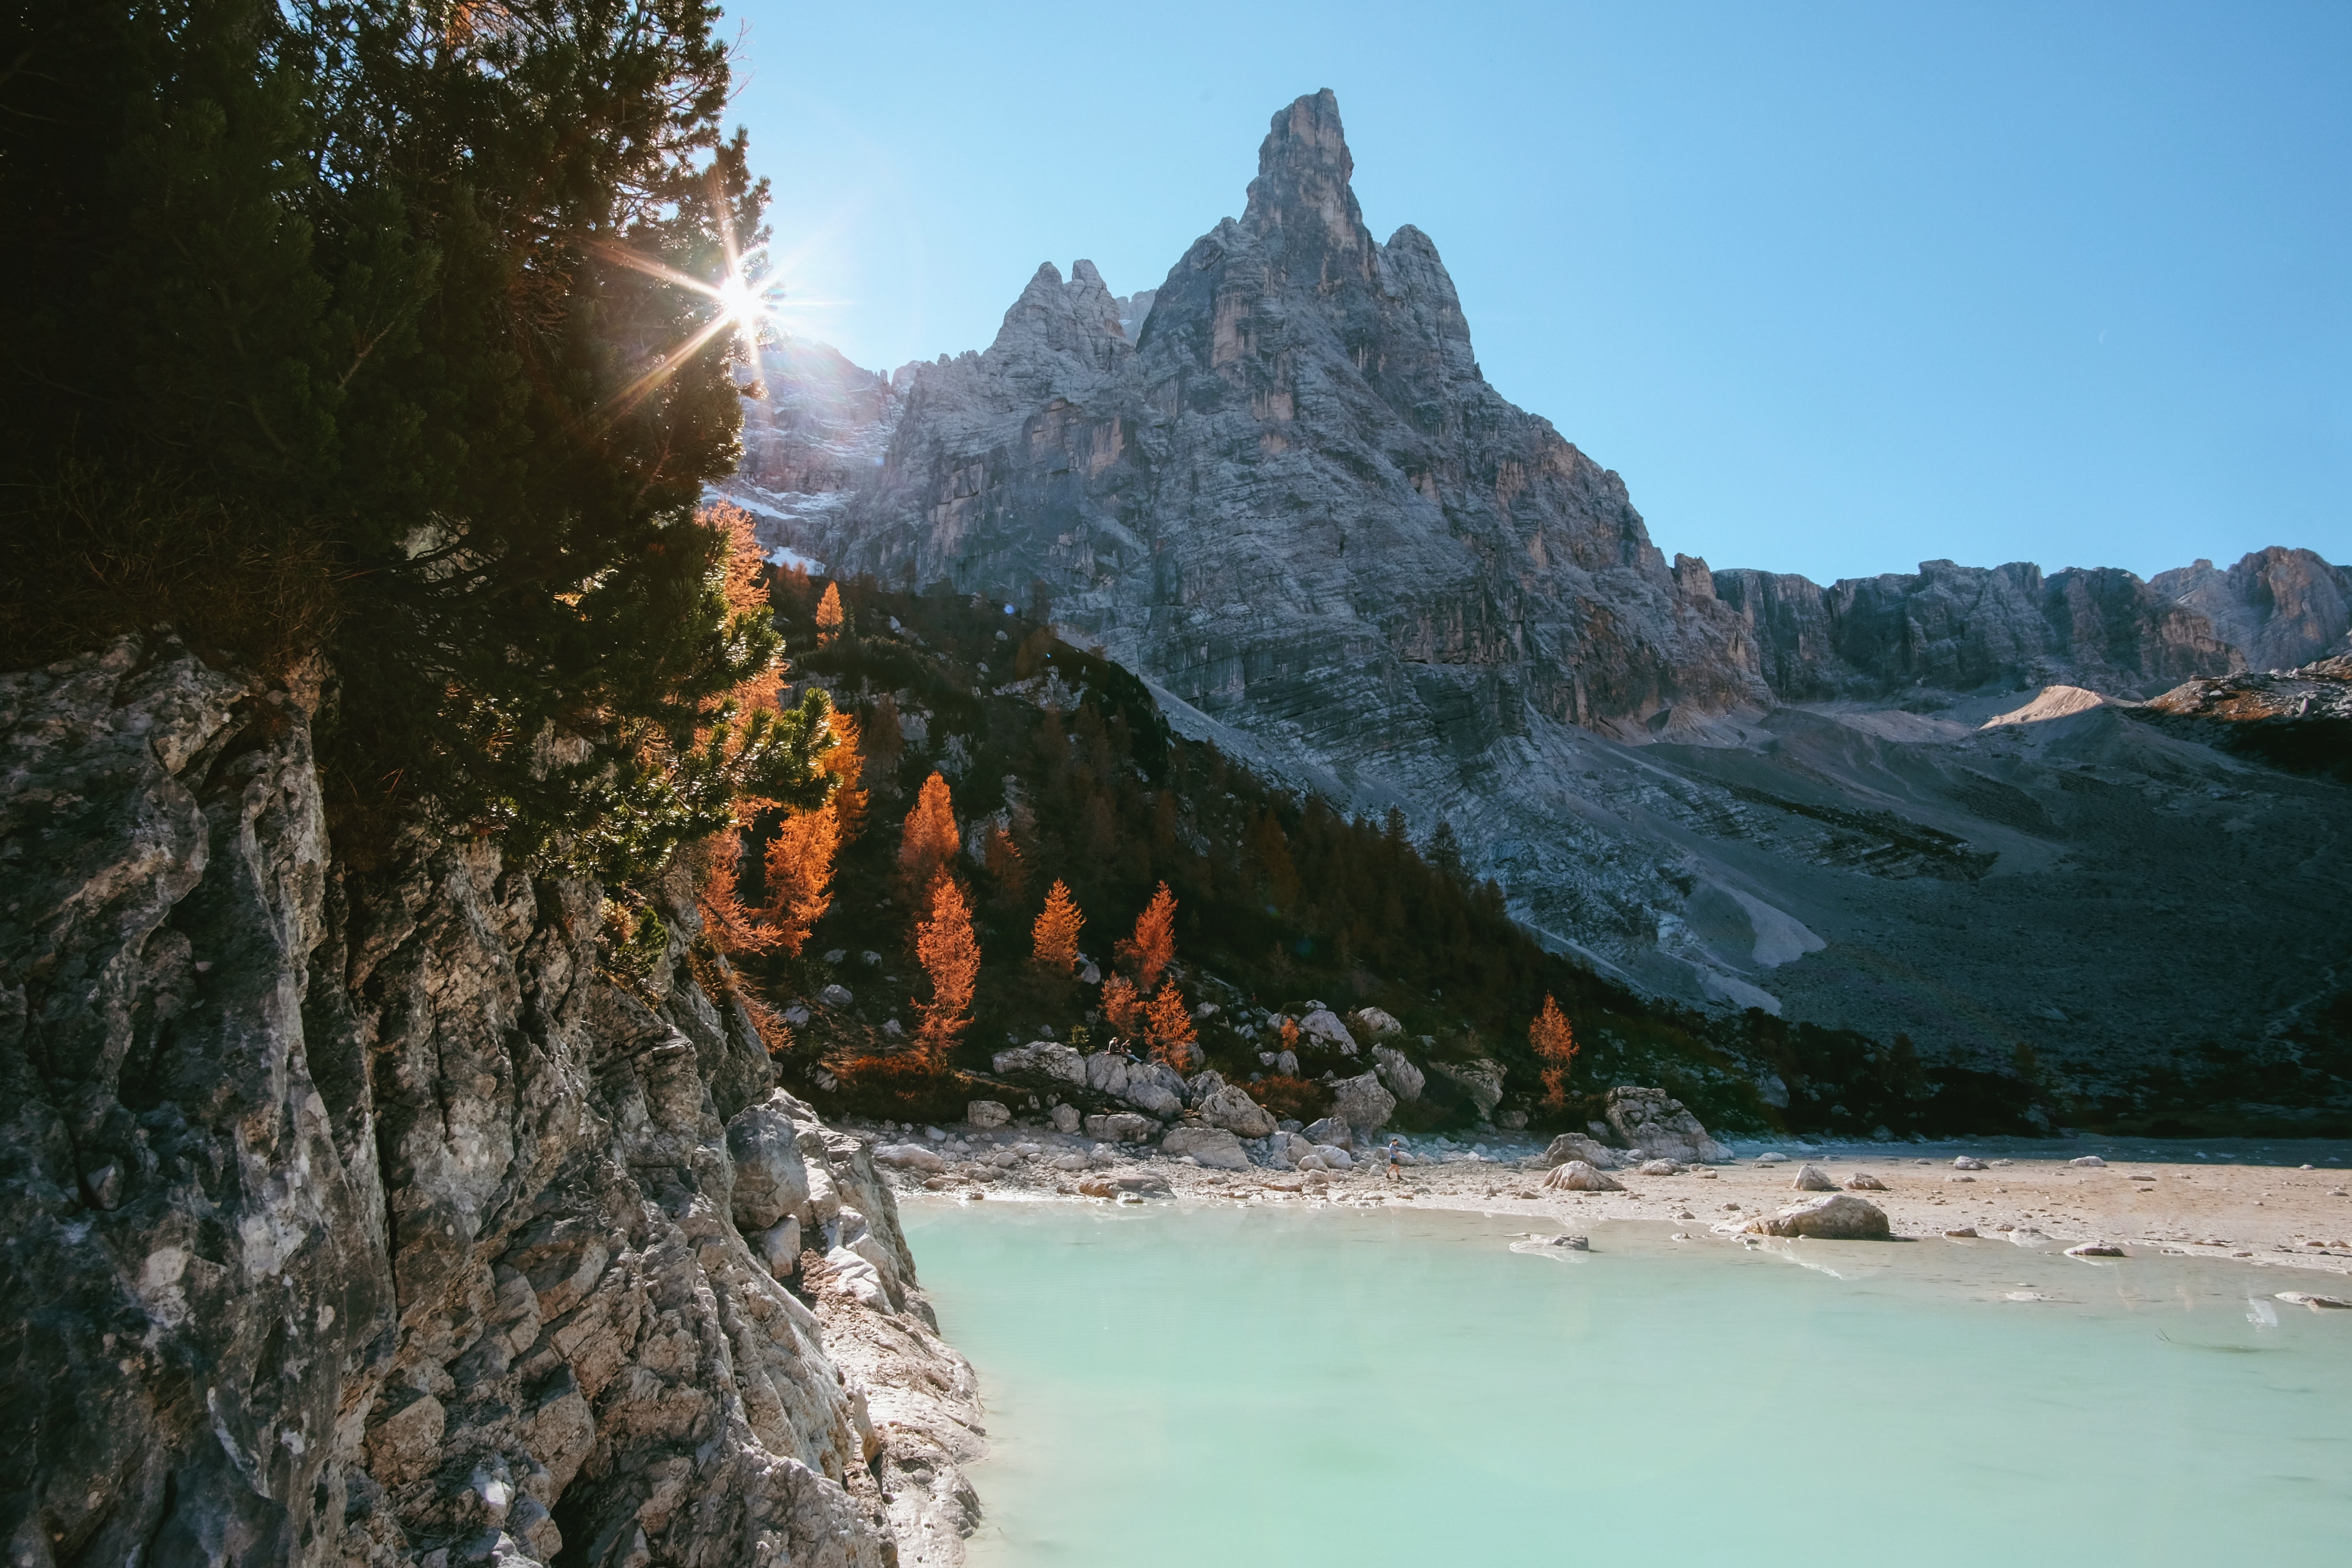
(1964, 629)
(2281, 608)
(1294, 496)
(361, 1219)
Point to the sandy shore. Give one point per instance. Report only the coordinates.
(2234, 1202)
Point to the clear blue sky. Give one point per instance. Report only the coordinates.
(1836, 288)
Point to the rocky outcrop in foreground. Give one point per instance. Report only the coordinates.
(362, 1219)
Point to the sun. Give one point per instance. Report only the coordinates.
(747, 301)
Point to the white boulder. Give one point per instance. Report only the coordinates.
(1045, 1057)
(1322, 1023)
(1576, 1176)
(1120, 1127)
(1212, 1146)
(911, 1157)
(1653, 1120)
(1404, 1079)
(1577, 1146)
(1330, 1130)
(1231, 1107)
(987, 1113)
(1362, 1103)
(1838, 1217)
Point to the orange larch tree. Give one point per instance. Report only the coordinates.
(1153, 946)
(950, 955)
(829, 616)
(1167, 1027)
(1555, 1047)
(847, 763)
(1054, 937)
(929, 844)
(799, 874)
(733, 927)
(1122, 1009)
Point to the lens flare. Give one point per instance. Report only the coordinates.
(748, 298)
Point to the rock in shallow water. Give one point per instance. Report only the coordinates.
(1130, 1183)
(1843, 1217)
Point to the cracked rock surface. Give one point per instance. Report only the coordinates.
(361, 1219)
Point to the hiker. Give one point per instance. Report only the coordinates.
(1396, 1158)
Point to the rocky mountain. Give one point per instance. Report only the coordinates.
(1283, 492)
(371, 1217)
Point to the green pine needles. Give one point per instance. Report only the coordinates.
(338, 335)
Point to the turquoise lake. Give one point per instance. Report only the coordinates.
(1180, 1385)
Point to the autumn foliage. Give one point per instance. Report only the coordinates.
(828, 616)
(1554, 1044)
(950, 955)
(1122, 1009)
(929, 844)
(1148, 952)
(1053, 938)
(847, 763)
(800, 862)
(1168, 1026)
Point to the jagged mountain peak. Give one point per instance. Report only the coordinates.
(1303, 192)
(1055, 329)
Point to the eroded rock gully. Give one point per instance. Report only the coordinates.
(361, 1220)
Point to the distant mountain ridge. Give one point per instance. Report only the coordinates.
(1280, 488)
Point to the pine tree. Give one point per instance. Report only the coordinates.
(950, 955)
(929, 844)
(355, 330)
(1555, 1047)
(829, 615)
(1053, 938)
(1167, 1027)
(1150, 950)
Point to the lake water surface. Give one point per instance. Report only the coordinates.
(1180, 1385)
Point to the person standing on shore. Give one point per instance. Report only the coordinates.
(1396, 1159)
